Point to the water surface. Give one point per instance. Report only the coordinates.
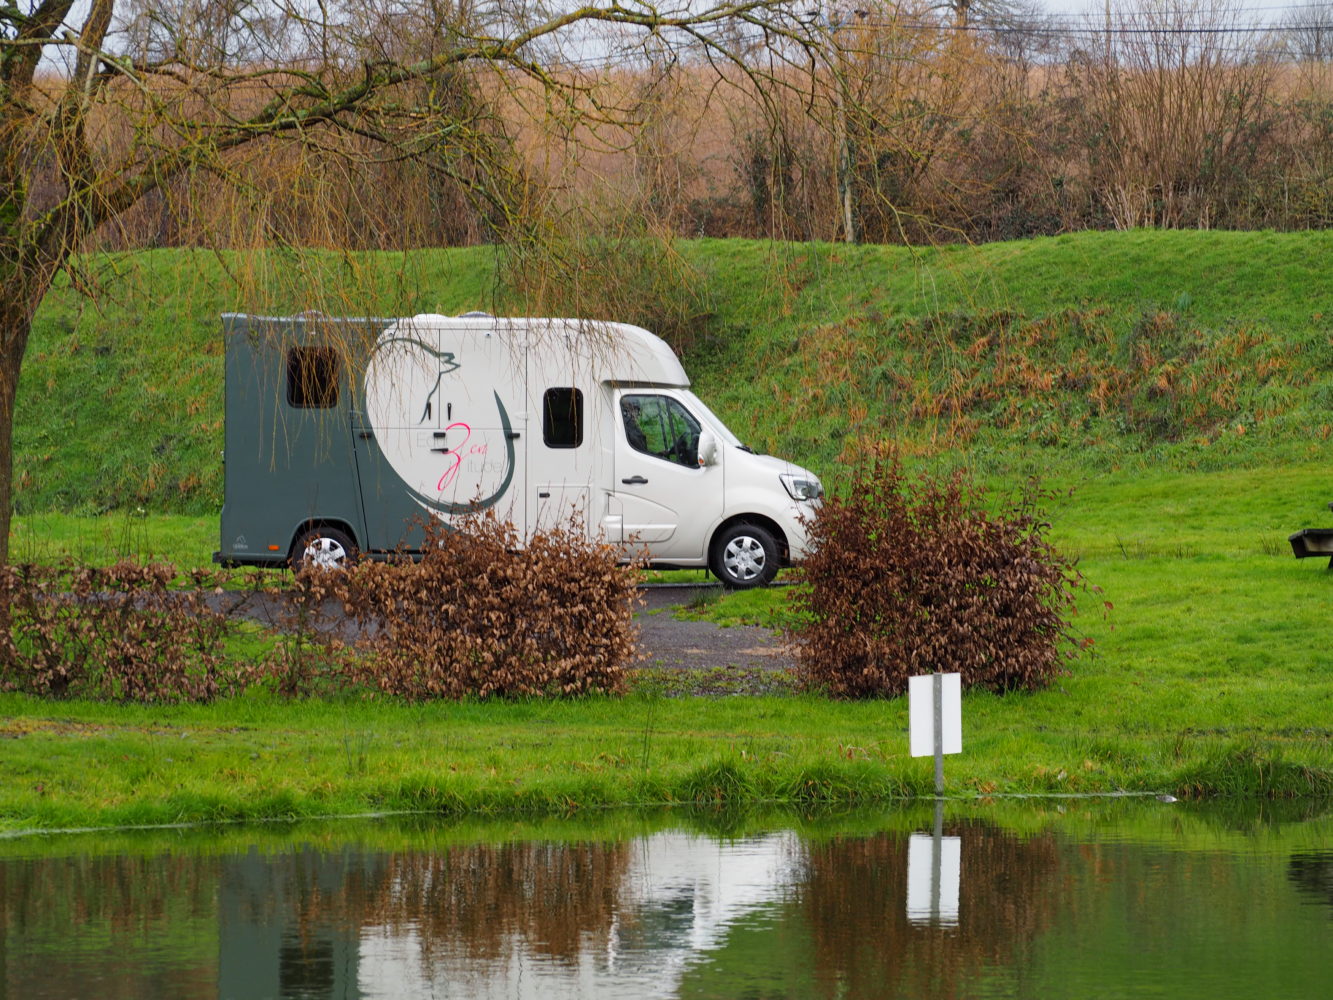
(1088, 899)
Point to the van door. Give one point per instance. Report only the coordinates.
(667, 502)
(560, 462)
(391, 428)
(479, 460)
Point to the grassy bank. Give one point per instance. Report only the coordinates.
(1076, 355)
(1209, 678)
(1178, 383)
(1280, 828)
(75, 765)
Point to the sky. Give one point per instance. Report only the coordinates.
(1097, 8)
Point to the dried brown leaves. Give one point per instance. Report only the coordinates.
(478, 617)
(912, 577)
(118, 632)
(475, 617)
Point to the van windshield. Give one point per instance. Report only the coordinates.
(723, 431)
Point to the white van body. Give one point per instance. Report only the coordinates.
(546, 422)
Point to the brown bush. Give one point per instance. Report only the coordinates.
(118, 632)
(912, 577)
(478, 617)
(474, 617)
(311, 651)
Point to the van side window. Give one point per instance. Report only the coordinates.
(562, 418)
(312, 378)
(660, 426)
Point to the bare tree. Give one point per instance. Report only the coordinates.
(1308, 33)
(1019, 29)
(104, 102)
(1173, 110)
(990, 13)
(213, 33)
(903, 94)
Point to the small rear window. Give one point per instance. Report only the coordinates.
(312, 378)
(562, 418)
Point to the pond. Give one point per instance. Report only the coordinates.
(1076, 898)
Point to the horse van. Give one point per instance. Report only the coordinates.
(344, 435)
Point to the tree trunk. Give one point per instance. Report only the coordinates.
(25, 283)
(14, 330)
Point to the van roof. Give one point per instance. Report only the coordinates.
(620, 352)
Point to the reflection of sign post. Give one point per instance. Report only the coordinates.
(935, 711)
(934, 871)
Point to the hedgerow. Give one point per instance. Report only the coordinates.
(476, 616)
(120, 632)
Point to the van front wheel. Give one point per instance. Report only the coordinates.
(323, 548)
(744, 556)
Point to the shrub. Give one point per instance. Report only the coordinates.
(474, 617)
(117, 632)
(478, 617)
(310, 653)
(911, 577)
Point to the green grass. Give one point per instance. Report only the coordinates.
(1211, 675)
(1216, 348)
(1216, 277)
(1215, 629)
(80, 764)
(1279, 828)
(816, 351)
(187, 540)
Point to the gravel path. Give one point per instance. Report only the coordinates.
(685, 645)
(666, 641)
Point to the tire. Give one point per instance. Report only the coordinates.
(328, 548)
(744, 556)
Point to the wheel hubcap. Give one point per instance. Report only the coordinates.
(744, 558)
(325, 553)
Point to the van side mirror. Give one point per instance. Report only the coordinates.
(707, 448)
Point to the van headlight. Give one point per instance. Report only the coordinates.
(806, 488)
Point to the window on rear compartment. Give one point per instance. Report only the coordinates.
(562, 418)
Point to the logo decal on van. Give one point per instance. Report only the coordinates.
(444, 507)
(403, 387)
(447, 365)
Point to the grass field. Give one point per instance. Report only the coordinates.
(1074, 355)
(1184, 425)
(1210, 677)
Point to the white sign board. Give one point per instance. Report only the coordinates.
(921, 713)
(934, 870)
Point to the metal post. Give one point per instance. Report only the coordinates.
(937, 860)
(938, 686)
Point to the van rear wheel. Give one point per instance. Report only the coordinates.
(323, 548)
(744, 556)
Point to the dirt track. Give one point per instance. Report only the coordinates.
(666, 641)
(671, 643)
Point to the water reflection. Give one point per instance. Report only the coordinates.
(1312, 873)
(1107, 903)
(553, 920)
(1006, 891)
(108, 926)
